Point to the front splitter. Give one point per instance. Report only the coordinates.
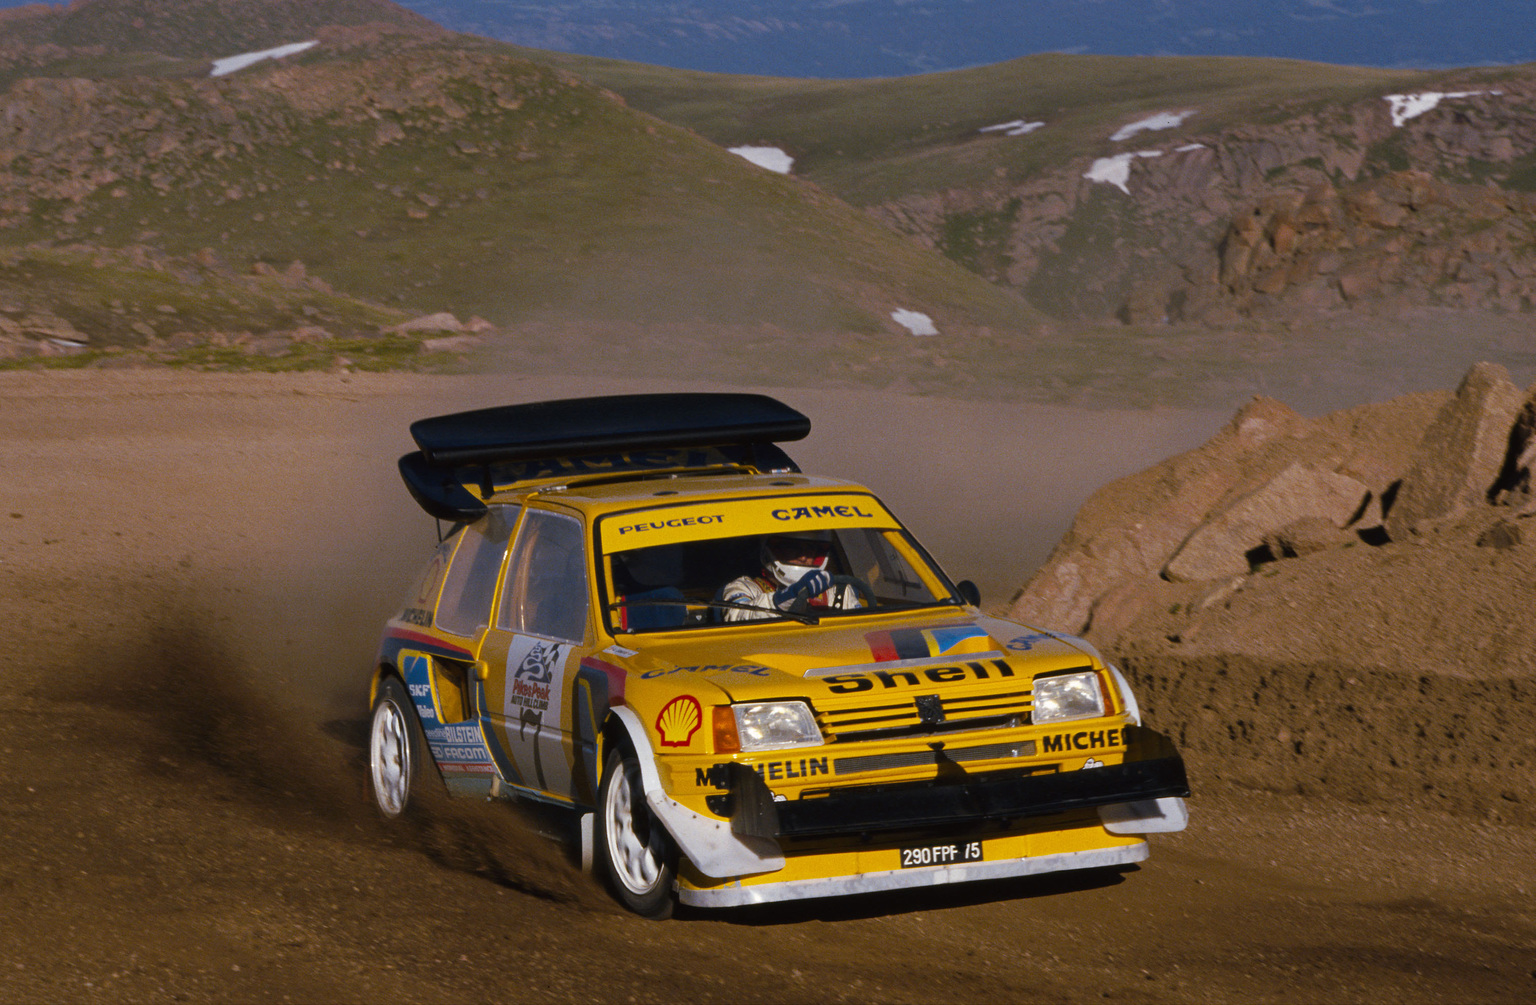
(907, 879)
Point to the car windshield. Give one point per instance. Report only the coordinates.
(677, 567)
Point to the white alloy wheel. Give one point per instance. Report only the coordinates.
(389, 751)
(637, 851)
(635, 863)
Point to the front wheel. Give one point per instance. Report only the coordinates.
(638, 857)
(394, 751)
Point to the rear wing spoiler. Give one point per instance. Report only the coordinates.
(467, 457)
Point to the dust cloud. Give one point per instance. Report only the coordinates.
(274, 504)
(224, 551)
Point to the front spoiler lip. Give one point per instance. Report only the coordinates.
(922, 805)
(738, 895)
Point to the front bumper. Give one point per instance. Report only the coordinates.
(744, 834)
(985, 798)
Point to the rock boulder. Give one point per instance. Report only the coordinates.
(1271, 484)
(1513, 486)
(442, 321)
(1461, 455)
(1169, 501)
(1222, 545)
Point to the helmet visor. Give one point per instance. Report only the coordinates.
(800, 551)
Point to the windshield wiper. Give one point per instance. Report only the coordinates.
(802, 617)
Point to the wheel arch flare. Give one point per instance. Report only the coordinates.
(707, 842)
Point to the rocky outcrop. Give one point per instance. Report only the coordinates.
(1271, 486)
(1391, 659)
(1514, 486)
(1307, 535)
(442, 321)
(1462, 453)
(1405, 239)
(1320, 212)
(1223, 544)
(1170, 503)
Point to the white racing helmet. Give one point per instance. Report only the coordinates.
(787, 558)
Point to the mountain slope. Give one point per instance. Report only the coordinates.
(117, 38)
(1282, 194)
(1123, 183)
(876, 141)
(196, 28)
(455, 177)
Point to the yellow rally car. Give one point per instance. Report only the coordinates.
(746, 684)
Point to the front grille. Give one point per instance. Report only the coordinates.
(873, 720)
(924, 758)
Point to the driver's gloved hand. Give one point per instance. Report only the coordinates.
(812, 584)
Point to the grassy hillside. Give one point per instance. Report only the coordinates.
(76, 307)
(440, 178)
(177, 38)
(875, 140)
(1153, 242)
(411, 173)
(197, 28)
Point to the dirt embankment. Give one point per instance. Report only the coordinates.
(1366, 736)
(1334, 606)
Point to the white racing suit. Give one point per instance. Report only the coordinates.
(758, 591)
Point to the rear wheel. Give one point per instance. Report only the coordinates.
(638, 857)
(395, 758)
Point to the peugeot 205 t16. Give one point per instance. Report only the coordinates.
(739, 682)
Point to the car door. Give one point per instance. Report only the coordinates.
(533, 651)
(438, 671)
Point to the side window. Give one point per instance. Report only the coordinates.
(546, 588)
(425, 590)
(465, 604)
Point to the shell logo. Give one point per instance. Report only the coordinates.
(679, 720)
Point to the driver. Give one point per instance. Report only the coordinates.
(794, 576)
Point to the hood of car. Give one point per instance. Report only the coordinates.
(791, 660)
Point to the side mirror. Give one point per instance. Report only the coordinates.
(968, 592)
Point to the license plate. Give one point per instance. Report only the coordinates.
(949, 853)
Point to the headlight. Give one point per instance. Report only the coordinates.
(770, 726)
(1067, 697)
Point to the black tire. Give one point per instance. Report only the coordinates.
(638, 858)
(397, 757)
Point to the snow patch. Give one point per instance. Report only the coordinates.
(1411, 106)
(1018, 127)
(1116, 170)
(771, 158)
(915, 322)
(229, 64)
(1188, 147)
(1153, 123)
